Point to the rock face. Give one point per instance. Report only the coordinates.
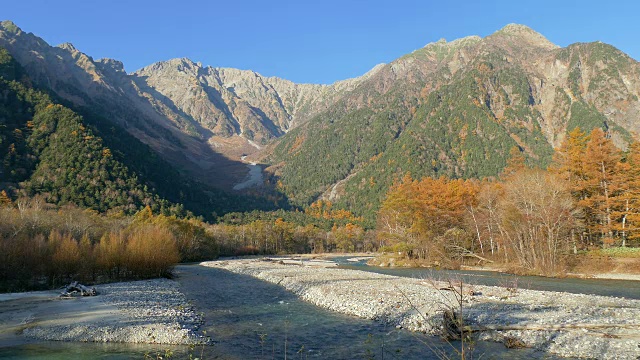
(455, 109)
(178, 107)
(522, 90)
(237, 102)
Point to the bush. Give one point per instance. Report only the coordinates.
(151, 251)
(246, 250)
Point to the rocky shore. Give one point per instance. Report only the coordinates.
(149, 311)
(569, 325)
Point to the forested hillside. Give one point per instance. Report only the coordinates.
(48, 149)
(456, 109)
(534, 219)
(450, 109)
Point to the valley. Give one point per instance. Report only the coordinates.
(504, 152)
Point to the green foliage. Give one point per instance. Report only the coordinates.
(585, 117)
(618, 252)
(295, 217)
(88, 160)
(460, 130)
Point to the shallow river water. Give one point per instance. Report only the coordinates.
(252, 319)
(619, 288)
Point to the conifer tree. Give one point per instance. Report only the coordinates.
(627, 203)
(601, 163)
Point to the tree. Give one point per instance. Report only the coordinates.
(66, 255)
(151, 251)
(515, 163)
(601, 183)
(111, 253)
(627, 203)
(5, 200)
(417, 213)
(536, 219)
(568, 160)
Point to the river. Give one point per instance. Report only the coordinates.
(251, 319)
(618, 288)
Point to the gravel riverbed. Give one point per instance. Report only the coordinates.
(568, 325)
(148, 311)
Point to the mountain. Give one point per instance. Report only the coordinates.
(48, 149)
(201, 119)
(456, 109)
(237, 102)
(450, 108)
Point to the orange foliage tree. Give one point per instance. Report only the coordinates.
(416, 214)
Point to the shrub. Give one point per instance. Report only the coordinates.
(151, 251)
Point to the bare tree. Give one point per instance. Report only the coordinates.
(536, 218)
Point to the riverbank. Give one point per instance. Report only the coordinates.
(148, 311)
(606, 275)
(594, 266)
(570, 325)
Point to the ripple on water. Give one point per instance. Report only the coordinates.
(250, 318)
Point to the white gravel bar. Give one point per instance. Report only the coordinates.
(565, 324)
(148, 311)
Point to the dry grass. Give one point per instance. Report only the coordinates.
(591, 264)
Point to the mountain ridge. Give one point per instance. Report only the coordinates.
(449, 108)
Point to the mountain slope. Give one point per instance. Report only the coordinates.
(48, 149)
(451, 108)
(102, 87)
(456, 109)
(199, 118)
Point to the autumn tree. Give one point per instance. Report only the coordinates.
(592, 167)
(418, 213)
(484, 220)
(515, 163)
(111, 252)
(5, 200)
(536, 217)
(66, 255)
(348, 238)
(151, 251)
(627, 202)
(601, 183)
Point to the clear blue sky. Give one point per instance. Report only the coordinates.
(307, 41)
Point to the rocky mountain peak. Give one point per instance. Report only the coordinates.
(10, 26)
(373, 71)
(67, 46)
(523, 33)
(455, 43)
(112, 64)
(184, 65)
(517, 29)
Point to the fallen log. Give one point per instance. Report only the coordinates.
(477, 257)
(75, 288)
(462, 252)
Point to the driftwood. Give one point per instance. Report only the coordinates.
(473, 255)
(452, 328)
(463, 252)
(75, 288)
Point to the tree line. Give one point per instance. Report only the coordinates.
(44, 246)
(532, 218)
